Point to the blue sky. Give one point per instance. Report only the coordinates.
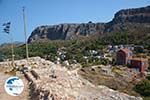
(49, 12)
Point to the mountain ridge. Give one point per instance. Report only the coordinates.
(67, 31)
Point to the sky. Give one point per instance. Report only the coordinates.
(50, 12)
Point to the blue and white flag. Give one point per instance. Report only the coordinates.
(6, 27)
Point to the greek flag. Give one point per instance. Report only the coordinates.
(6, 27)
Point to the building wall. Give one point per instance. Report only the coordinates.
(121, 58)
(144, 65)
(141, 65)
(135, 64)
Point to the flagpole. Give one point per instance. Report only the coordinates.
(12, 51)
(24, 20)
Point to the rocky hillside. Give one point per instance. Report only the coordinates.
(123, 20)
(49, 81)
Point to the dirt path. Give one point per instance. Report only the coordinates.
(5, 96)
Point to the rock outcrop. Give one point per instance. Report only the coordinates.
(72, 31)
(65, 31)
(138, 15)
(66, 85)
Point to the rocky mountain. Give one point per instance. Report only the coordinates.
(128, 19)
(137, 15)
(65, 31)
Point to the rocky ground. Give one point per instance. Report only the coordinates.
(115, 77)
(49, 81)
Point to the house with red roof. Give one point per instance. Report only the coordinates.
(140, 64)
(125, 57)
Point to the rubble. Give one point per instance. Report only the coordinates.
(66, 85)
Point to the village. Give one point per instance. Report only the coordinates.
(116, 55)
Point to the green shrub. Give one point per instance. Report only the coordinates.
(143, 88)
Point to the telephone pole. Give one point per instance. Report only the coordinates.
(24, 20)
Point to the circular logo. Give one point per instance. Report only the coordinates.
(14, 86)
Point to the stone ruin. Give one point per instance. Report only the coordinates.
(49, 81)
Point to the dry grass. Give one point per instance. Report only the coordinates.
(115, 82)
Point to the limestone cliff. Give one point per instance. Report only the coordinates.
(132, 19)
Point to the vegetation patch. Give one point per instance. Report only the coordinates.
(143, 88)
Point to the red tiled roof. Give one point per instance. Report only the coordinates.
(125, 50)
